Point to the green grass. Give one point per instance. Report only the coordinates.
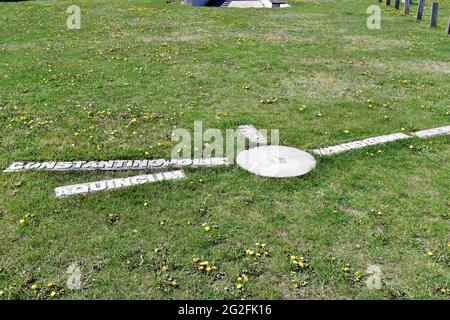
(63, 92)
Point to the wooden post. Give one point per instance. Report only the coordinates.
(397, 4)
(420, 9)
(388, 2)
(434, 14)
(407, 6)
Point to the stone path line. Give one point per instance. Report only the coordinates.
(254, 136)
(117, 183)
(117, 165)
(340, 148)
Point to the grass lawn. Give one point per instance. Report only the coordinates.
(71, 95)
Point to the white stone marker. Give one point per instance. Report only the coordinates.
(117, 183)
(276, 161)
(116, 165)
(432, 132)
(360, 144)
(246, 4)
(255, 137)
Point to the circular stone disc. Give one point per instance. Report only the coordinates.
(276, 161)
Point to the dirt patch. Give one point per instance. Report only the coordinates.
(190, 37)
(353, 212)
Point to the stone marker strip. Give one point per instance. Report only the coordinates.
(432, 132)
(327, 151)
(117, 183)
(255, 137)
(116, 165)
